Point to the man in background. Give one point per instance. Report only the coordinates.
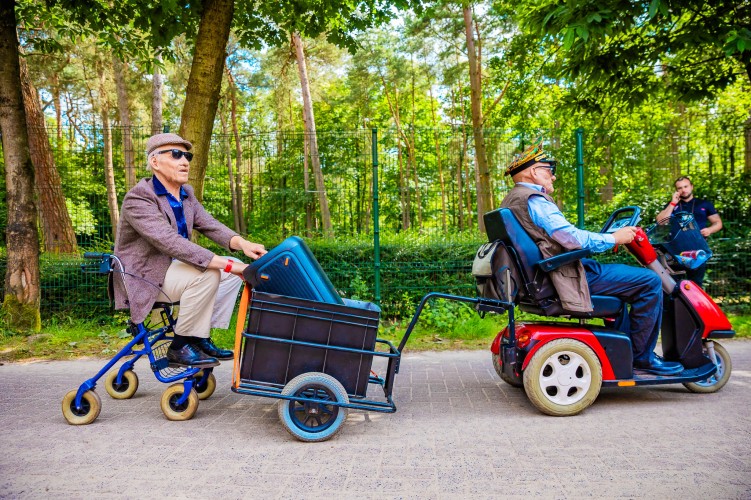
(704, 212)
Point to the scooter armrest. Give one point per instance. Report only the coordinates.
(557, 261)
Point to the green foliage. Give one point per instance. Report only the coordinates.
(624, 51)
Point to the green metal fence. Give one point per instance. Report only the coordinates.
(426, 217)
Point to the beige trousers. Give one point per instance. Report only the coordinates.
(207, 298)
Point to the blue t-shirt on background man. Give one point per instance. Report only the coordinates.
(701, 210)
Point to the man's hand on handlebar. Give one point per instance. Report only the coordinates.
(625, 235)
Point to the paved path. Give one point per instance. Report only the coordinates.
(459, 432)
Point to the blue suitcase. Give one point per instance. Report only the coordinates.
(290, 269)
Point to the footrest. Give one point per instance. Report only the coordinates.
(160, 364)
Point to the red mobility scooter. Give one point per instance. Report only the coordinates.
(562, 366)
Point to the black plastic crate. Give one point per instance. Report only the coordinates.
(296, 322)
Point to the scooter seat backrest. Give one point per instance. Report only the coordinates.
(501, 224)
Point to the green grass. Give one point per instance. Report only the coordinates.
(441, 327)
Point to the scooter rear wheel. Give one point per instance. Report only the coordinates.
(720, 377)
(563, 378)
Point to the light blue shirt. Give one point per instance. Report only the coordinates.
(547, 215)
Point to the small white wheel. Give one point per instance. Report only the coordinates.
(207, 388)
(721, 376)
(309, 421)
(178, 412)
(510, 380)
(125, 389)
(563, 378)
(91, 406)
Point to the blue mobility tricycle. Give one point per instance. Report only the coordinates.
(151, 339)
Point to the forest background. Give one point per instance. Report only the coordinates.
(294, 107)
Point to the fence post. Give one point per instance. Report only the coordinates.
(580, 177)
(376, 230)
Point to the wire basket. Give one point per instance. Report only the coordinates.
(679, 236)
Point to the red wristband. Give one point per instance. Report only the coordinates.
(673, 204)
(228, 267)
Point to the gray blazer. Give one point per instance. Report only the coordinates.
(147, 241)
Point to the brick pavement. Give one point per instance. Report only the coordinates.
(459, 432)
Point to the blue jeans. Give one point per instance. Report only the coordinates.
(637, 286)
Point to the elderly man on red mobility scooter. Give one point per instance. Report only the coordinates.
(533, 173)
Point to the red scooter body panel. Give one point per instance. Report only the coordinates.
(709, 312)
(540, 334)
(495, 347)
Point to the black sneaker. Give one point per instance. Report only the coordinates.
(209, 348)
(190, 355)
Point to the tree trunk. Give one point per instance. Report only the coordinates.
(55, 91)
(404, 179)
(403, 188)
(123, 107)
(483, 174)
(57, 229)
(606, 168)
(230, 173)
(310, 132)
(109, 170)
(22, 288)
(438, 162)
(242, 229)
(156, 100)
(306, 187)
(747, 141)
(205, 85)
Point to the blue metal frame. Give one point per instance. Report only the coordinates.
(149, 339)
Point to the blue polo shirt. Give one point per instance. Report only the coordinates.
(177, 205)
(701, 209)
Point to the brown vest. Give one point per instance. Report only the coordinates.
(570, 280)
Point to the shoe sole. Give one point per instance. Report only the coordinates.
(173, 364)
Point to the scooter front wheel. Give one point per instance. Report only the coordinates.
(720, 377)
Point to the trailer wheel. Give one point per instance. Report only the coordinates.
(510, 380)
(313, 421)
(91, 406)
(125, 389)
(563, 378)
(720, 377)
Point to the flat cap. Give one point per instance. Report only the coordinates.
(159, 140)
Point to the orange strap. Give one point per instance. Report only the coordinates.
(242, 313)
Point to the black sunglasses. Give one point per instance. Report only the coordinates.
(550, 167)
(177, 154)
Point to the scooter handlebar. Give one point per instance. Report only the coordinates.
(641, 248)
(615, 222)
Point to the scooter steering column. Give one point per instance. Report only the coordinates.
(645, 253)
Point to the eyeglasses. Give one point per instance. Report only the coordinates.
(177, 154)
(551, 167)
